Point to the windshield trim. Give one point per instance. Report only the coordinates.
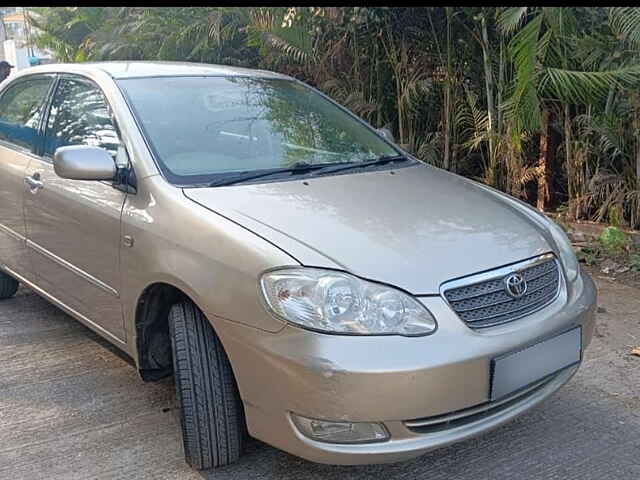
(214, 177)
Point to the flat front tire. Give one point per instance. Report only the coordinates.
(212, 416)
(8, 286)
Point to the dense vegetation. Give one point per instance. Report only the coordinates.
(541, 102)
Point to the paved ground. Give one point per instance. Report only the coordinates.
(72, 408)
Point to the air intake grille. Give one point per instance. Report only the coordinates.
(487, 302)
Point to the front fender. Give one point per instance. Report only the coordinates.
(212, 260)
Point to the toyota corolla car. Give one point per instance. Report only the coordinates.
(303, 278)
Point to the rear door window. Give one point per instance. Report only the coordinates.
(21, 108)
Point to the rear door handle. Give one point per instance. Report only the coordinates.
(34, 182)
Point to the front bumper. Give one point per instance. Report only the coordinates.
(392, 380)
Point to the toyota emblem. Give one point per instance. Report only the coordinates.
(515, 285)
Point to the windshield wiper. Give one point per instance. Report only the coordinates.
(303, 167)
(383, 160)
(295, 169)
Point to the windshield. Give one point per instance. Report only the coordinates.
(202, 129)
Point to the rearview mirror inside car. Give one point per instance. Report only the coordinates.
(386, 133)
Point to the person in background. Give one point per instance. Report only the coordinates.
(5, 69)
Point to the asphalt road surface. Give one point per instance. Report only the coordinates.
(71, 407)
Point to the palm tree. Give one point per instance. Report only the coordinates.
(548, 75)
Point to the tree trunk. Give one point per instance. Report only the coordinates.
(544, 163)
(500, 86)
(610, 97)
(635, 101)
(571, 179)
(379, 90)
(400, 107)
(447, 127)
(638, 163)
(491, 108)
(447, 98)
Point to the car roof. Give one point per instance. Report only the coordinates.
(141, 69)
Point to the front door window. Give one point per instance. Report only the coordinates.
(80, 116)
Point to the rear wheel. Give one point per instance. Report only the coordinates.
(211, 411)
(8, 286)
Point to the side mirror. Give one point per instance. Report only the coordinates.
(386, 133)
(83, 162)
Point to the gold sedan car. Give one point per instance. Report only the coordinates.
(304, 279)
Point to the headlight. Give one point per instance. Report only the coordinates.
(567, 255)
(337, 302)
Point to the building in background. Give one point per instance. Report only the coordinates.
(16, 40)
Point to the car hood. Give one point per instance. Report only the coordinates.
(413, 227)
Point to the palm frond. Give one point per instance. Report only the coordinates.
(522, 108)
(625, 21)
(511, 18)
(583, 87)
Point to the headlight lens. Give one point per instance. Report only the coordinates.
(567, 255)
(337, 302)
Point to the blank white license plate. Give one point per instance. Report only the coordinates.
(516, 370)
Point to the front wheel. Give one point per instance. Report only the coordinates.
(212, 416)
(8, 286)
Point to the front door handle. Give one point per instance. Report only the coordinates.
(34, 182)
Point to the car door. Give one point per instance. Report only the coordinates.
(21, 110)
(72, 226)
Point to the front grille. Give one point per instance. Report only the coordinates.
(483, 301)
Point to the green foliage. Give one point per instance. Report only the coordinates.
(510, 19)
(67, 31)
(523, 108)
(613, 240)
(615, 216)
(584, 87)
(282, 29)
(625, 22)
(590, 256)
(463, 88)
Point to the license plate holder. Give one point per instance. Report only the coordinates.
(515, 370)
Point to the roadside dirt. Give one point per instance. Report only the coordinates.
(630, 278)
